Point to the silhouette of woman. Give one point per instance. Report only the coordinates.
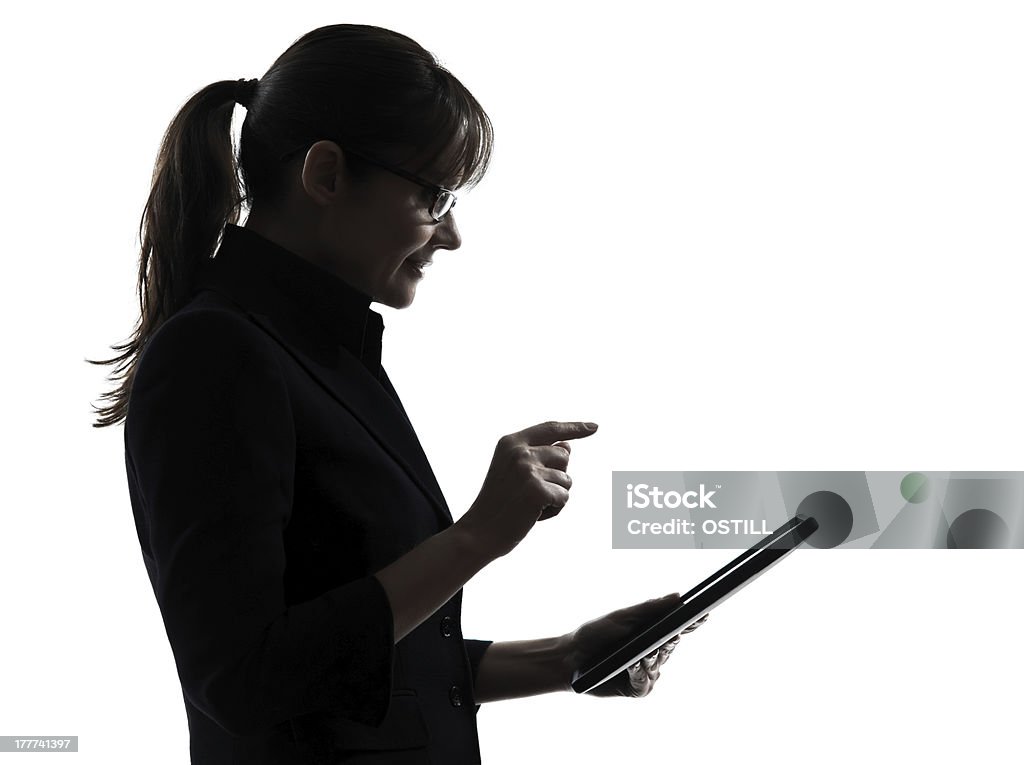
(307, 568)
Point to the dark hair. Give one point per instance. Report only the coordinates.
(363, 86)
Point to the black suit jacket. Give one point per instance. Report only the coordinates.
(272, 469)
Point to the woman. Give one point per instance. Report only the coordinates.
(307, 569)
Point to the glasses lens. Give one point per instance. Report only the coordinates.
(443, 205)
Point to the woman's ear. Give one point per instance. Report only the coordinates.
(324, 175)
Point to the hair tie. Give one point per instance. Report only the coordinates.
(244, 91)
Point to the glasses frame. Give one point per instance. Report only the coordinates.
(440, 192)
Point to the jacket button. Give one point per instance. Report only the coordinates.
(446, 626)
(455, 696)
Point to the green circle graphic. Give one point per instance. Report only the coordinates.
(915, 487)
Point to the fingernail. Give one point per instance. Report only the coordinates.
(590, 425)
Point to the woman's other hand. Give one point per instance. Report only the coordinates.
(596, 636)
(525, 483)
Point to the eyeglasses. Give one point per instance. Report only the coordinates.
(444, 199)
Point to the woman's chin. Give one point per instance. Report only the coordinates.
(398, 296)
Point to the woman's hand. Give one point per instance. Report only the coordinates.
(596, 636)
(526, 483)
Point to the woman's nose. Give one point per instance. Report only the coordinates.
(446, 234)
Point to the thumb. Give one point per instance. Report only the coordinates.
(654, 606)
(664, 598)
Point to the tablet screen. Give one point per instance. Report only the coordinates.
(729, 579)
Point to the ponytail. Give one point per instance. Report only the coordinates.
(195, 192)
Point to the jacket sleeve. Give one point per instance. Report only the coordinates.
(475, 650)
(210, 439)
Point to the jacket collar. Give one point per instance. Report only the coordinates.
(333, 311)
(326, 325)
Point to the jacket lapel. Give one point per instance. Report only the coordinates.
(365, 398)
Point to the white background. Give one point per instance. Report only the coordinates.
(739, 236)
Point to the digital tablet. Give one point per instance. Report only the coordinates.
(693, 605)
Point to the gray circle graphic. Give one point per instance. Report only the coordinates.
(833, 514)
(977, 529)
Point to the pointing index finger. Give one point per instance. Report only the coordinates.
(547, 433)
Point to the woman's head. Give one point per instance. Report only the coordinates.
(339, 103)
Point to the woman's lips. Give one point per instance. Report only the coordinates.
(417, 264)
